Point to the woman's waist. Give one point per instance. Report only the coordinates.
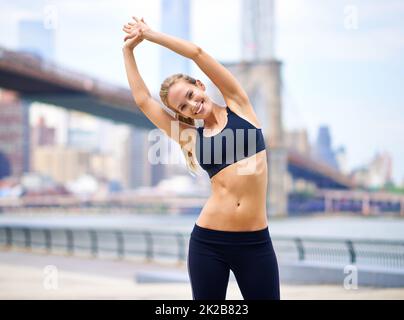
(234, 200)
(229, 214)
(231, 194)
(204, 234)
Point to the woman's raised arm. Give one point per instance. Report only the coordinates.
(139, 90)
(141, 94)
(223, 79)
(178, 45)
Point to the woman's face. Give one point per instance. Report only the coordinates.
(189, 100)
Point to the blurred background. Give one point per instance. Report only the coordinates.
(85, 213)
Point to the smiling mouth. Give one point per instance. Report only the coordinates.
(200, 108)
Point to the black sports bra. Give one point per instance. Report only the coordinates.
(241, 140)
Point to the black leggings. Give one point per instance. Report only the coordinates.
(249, 254)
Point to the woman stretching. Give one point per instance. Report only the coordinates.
(231, 232)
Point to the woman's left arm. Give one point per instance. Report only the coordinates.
(178, 45)
(223, 79)
(216, 72)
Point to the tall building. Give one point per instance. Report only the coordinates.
(36, 39)
(377, 173)
(14, 135)
(323, 148)
(61, 163)
(341, 158)
(175, 20)
(258, 30)
(380, 170)
(298, 140)
(14, 112)
(104, 166)
(41, 134)
(83, 131)
(135, 163)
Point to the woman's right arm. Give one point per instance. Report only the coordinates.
(139, 90)
(147, 104)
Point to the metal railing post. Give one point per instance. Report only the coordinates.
(120, 244)
(94, 242)
(300, 248)
(70, 241)
(351, 250)
(9, 236)
(27, 237)
(181, 247)
(149, 245)
(48, 240)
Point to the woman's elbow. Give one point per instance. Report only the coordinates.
(197, 52)
(140, 100)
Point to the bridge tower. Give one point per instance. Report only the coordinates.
(260, 74)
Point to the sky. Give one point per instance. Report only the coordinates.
(342, 61)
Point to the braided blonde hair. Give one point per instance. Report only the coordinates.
(190, 159)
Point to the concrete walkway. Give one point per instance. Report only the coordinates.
(25, 275)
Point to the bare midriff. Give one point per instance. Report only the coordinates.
(238, 198)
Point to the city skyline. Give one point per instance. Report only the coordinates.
(332, 75)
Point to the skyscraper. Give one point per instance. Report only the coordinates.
(341, 158)
(380, 170)
(34, 38)
(377, 173)
(41, 134)
(258, 30)
(323, 149)
(135, 160)
(298, 140)
(14, 135)
(175, 20)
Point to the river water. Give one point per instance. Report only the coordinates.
(326, 225)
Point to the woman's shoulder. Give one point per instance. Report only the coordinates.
(243, 110)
